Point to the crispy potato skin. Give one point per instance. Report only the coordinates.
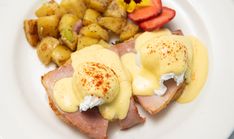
(45, 49)
(47, 9)
(30, 30)
(115, 10)
(69, 38)
(76, 7)
(48, 26)
(84, 41)
(128, 31)
(94, 31)
(60, 55)
(74, 24)
(98, 5)
(90, 17)
(67, 21)
(114, 24)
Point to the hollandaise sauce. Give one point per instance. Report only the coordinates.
(99, 79)
(64, 95)
(161, 56)
(199, 72)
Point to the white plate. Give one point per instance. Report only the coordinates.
(26, 114)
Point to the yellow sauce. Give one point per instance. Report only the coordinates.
(145, 78)
(199, 72)
(118, 109)
(143, 82)
(64, 95)
(159, 53)
(70, 88)
(146, 36)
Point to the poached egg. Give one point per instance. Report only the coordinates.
(159, 56)
(99, 79)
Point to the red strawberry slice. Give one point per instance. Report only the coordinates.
(146, 12)
(157, 22)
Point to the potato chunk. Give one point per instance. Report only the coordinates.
(99, 5)
(30, 30)
(45, 48)
(60, 55)
(95, 31)
(76, 7)
(47, 9)
(104, 44)
(128, 31)
(67, 22)
(84, 41)
(48, 26)
(114, 24)
(69, 38)
(115, 10)
(90, 16)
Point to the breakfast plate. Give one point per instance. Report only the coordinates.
(24, 103)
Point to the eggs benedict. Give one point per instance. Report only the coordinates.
(160, 57)
(156, 68)
(98, 80)
(97, 83)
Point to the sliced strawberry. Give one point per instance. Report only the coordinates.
(157, 22)
(146, 12)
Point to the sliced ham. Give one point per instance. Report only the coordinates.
(91, 122)
(125, 47)
(154, 104)
(133, 118)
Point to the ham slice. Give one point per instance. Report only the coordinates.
(133, 118)
(90, 122)
(154, 104)
(125, 47)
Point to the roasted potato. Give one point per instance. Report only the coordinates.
(99, 5)
(69, 38)
(47, 9)
(60, 12)
(115, 10)
(45, 48)
(90, 17)
(67, 22)
(30, 30)
(84, 41)
(60, 55)
(48, 26)
(128, 31)
(104, 44)
(95, 31)
(76, 7)
(114, 24)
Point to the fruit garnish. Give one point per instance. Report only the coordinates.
(157, 22)
(147, 12)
